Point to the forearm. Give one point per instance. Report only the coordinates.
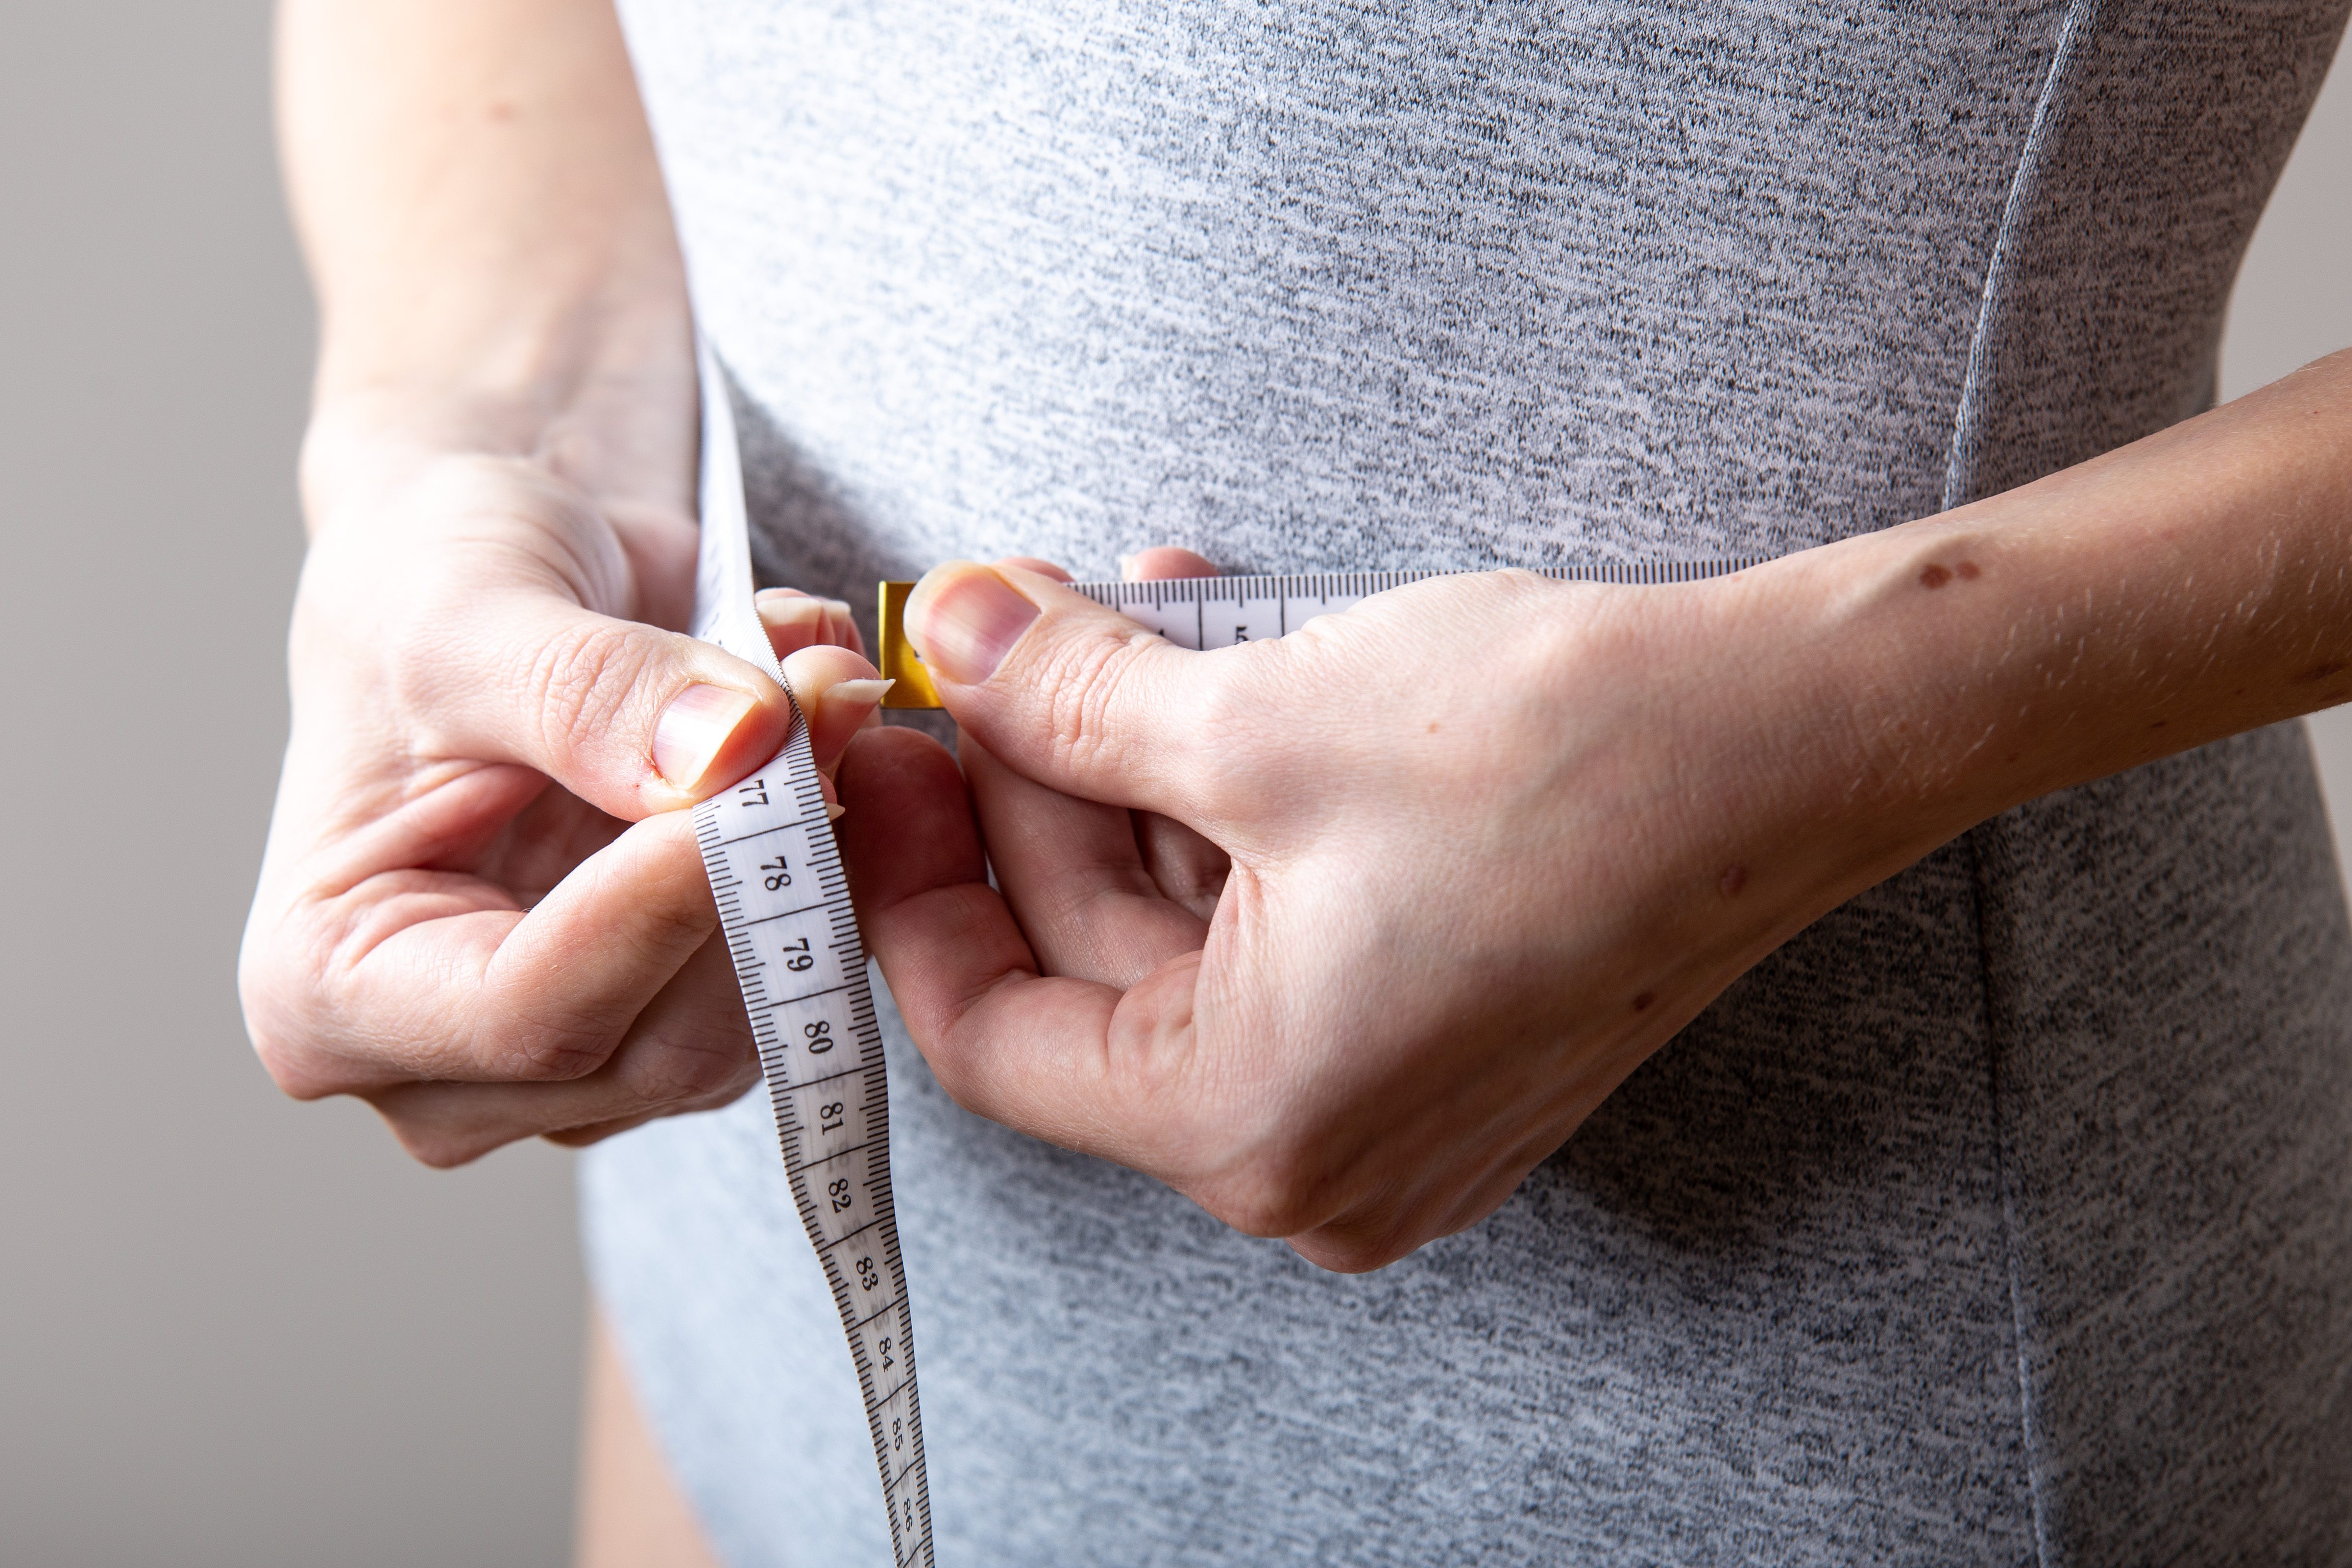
(476, 194)
(2187, 586)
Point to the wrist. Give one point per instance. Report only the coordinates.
(1965, 664)
(606, 406)
(1881, 702)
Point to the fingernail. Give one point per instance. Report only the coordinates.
(778, 607)
(794, 620)
(693, 730)
(1129, 568)
(866, 692)
(963, 619)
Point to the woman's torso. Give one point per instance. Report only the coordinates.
(1999, 1215)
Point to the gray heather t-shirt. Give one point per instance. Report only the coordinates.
(2004, 1216)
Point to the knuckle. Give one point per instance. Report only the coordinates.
(581, 678)
(545, 1051)
(437, 1150)
(1087, 685)
(1297, 1202)
(536, 1037)
(283, 1019)
(959, 1073)
(1222, 727)
(692, 1072)
(436, 1143)
(1276, 1193)
(292, 1065)
(686, 922)
(1103, 692)
(1351, 1255)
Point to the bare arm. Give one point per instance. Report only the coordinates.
(2187, 587)
(457, 919)
(1458, 916)
(477, 195)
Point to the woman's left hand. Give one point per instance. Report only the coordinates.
(1492, 840)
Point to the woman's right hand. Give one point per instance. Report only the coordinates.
(482, 908)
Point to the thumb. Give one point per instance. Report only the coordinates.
(632, 718)
(1071, 695)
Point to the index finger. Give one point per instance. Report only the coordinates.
(1076, 1062)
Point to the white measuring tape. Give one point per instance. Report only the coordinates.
(784, 903)
(1199, 613)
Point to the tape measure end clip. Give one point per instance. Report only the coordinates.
(899, 661)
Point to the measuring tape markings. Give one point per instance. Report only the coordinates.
(1248, 609)
(784, 907)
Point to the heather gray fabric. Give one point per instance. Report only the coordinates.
(2001, 1217)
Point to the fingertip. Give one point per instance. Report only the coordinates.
(962, 618)
(849, 706)
(1162, 563)
(838, 691)
(881, 759)
(842, 627)
(793, 620)
(908, 825)
(917, 611)
(1043, 568)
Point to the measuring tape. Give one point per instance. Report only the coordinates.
(1199, 613)
(784, 903)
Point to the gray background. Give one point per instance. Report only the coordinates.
(234, 1329)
